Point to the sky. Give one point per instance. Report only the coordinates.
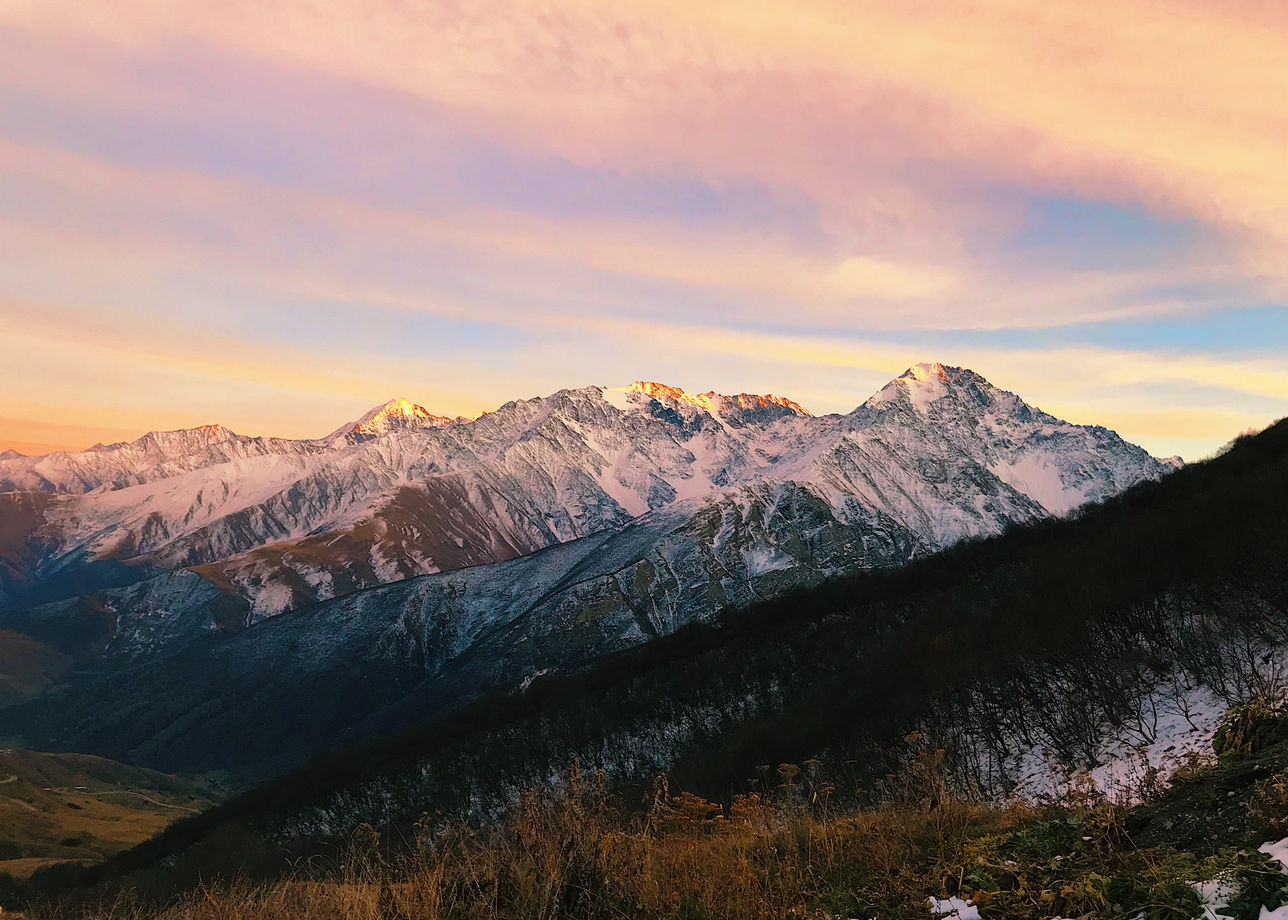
(275, 215)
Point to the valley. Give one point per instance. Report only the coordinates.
(71, 808)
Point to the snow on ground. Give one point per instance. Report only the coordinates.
(953, 908)
(706, 460)
(1278, 851)
(1175, 722)
(1215, 895)
(761, 560)
(271, 600)
(191, 499)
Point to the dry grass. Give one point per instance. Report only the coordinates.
(579, 854)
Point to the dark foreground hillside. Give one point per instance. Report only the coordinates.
(793, 849)
(1048, 636)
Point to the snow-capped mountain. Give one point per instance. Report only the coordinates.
(403, 492)
(395, 414)
(544, 534)
(156, 455)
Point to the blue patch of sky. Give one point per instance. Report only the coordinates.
(1228, 331)
(1085, 234)
(1251, 330)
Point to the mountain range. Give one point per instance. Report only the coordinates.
(411, 562)
(1103, 647)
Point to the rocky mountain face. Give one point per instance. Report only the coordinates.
(397, 654)
(547, 533)
(403, 492)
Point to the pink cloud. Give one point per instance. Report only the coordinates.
(1175, 105)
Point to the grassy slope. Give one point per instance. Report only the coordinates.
(73, 807)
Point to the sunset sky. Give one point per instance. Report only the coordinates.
(275, 215)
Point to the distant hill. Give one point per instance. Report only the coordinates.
(57, 808)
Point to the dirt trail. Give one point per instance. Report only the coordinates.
(137, 795)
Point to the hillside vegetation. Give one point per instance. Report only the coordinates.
(577, 851)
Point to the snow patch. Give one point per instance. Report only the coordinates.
(953, 907)
(271, 600)
(761, 560)
(925, 383)
(620, 398)
(1278, 851)
(1173, 723)
(1036, 478)
(1214, 895)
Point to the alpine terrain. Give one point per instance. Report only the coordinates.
(410, 562)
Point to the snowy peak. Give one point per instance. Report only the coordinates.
(927, 371)
(750, 402)
(740, 408)
(923, 386)
(168, 442)
(952, 418)
(156, 455)
(396, 414)
(659, 391)
(11, 454)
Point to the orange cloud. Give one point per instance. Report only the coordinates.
(72, 369)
